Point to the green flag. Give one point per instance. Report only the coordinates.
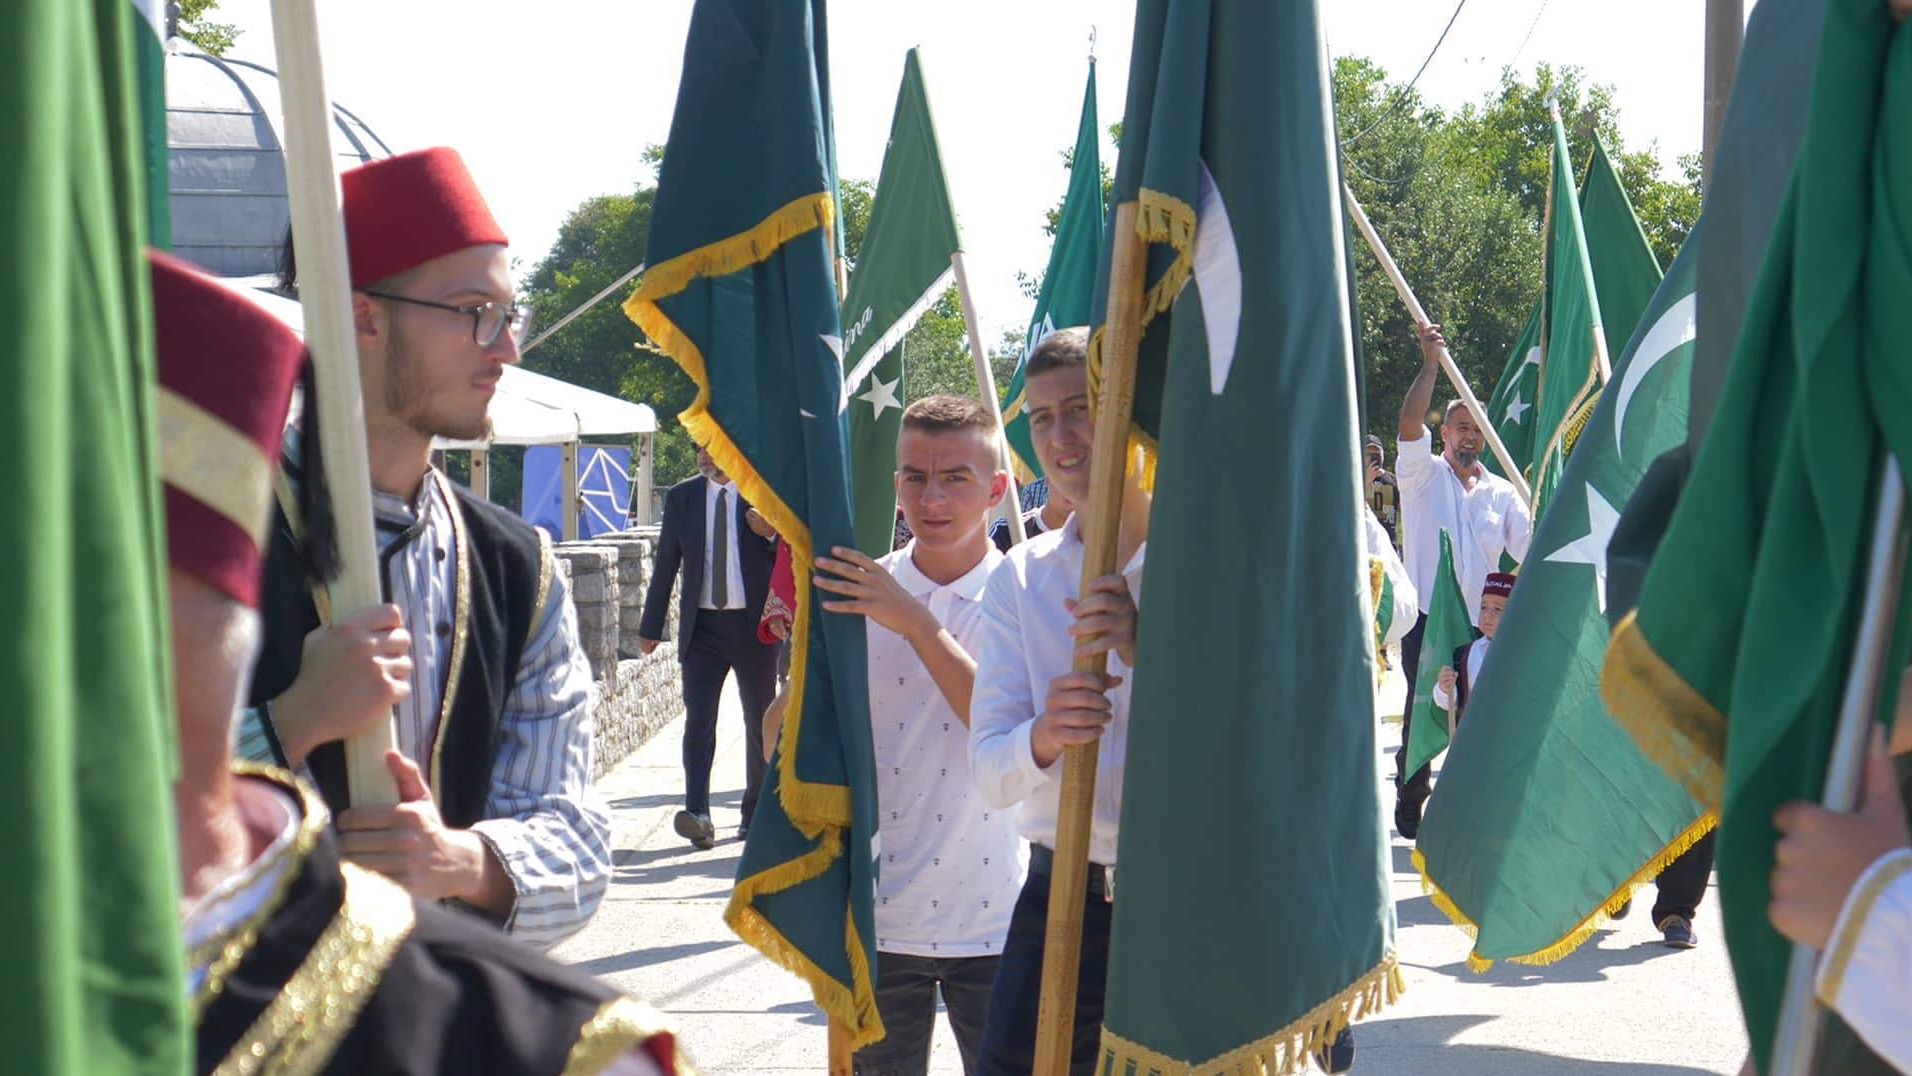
(1731, 670)
(741, 293)
(93, 945)
(1228, 100)
(901, 270)
(1511, 407)
(149, 62)
(1543, 823)
(1625, 276)
(1449, 627)
(1572, 338)
(1068, 284)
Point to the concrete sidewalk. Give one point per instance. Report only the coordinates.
(1622, 1004)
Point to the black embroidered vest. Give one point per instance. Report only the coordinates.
(503, 578)
(343, 972)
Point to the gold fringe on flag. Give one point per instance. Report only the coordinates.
(821, 812)
(1290, 1050)
(1598, 918)
(1670, 722)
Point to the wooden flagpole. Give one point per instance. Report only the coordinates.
(1801, 1017)
(318, 231)
(1448, 367)
(1069, 878)
(986, 388)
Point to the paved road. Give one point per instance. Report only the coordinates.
(1623, 1004)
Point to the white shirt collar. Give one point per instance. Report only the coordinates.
(968, 588)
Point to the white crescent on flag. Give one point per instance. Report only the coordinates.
(1217, 267)
(1675, 327)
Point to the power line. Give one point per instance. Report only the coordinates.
(1530, 33)
(1402, 96)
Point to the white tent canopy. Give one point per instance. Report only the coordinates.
(529, 409)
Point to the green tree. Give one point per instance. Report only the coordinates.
(212, 38)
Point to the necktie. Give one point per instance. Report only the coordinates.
(720, 553)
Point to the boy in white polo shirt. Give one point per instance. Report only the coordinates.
(950, 865)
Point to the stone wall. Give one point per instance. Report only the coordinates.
(636, 695)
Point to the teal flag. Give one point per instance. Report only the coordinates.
(1548, 816)
(740, 292)
(1252, 745)
(92, 945)
(1068, 284)
(1449, 627)
(902, 268)
(1731, 671)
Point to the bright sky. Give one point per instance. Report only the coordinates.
(553, 102)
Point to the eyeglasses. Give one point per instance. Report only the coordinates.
(488, 319)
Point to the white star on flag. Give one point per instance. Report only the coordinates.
(882, 394)
(1517, 408)
(1591, 548)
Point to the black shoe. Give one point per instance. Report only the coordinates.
(1678, 933)
(743, 832)
(1407, 823)
(1625, 910)
(1338, 1056)
(696, 829)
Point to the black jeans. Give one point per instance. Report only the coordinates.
(1683, 882)
(723, 642)
(1411, 795)
(1009, 1034)
(906, 997)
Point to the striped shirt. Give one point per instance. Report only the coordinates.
(543, 821)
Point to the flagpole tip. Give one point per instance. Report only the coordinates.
(1092, 43)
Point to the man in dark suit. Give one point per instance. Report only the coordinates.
(725, 550)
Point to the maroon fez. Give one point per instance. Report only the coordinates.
(403, 211)
(1498, 585)
(226, 369)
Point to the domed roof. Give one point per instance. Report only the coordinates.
(227, 161)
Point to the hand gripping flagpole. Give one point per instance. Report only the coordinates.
(1801, 1018)
(986, 387)
(1069, 878)
(1448, 367)
(318, 232)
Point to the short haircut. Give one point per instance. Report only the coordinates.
(1062, 348)
(1453, 406)
(948, 414)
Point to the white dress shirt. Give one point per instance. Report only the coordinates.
(1476, 657)
(735, 572)
(1483, 522)
(1864, 975)
(1025, 644)
(951, 865)
(1407, 601)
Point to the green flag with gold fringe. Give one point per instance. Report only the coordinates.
(741, 293)
(1546, 815)
(1731, 670)
(1252, 746)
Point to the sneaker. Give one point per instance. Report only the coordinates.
(696, 829)
(1625, 910)
(1338, 1056)
(1678, 932)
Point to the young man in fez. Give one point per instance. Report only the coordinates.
(494, 719)
(297, 959)
(1028, 704)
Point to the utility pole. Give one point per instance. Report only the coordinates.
(1725, 29)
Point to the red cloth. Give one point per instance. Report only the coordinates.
(781, 604)
(403, 211)
(231, 362)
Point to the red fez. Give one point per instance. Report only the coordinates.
(226, 369)
(1498, 585)
(403, 211)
